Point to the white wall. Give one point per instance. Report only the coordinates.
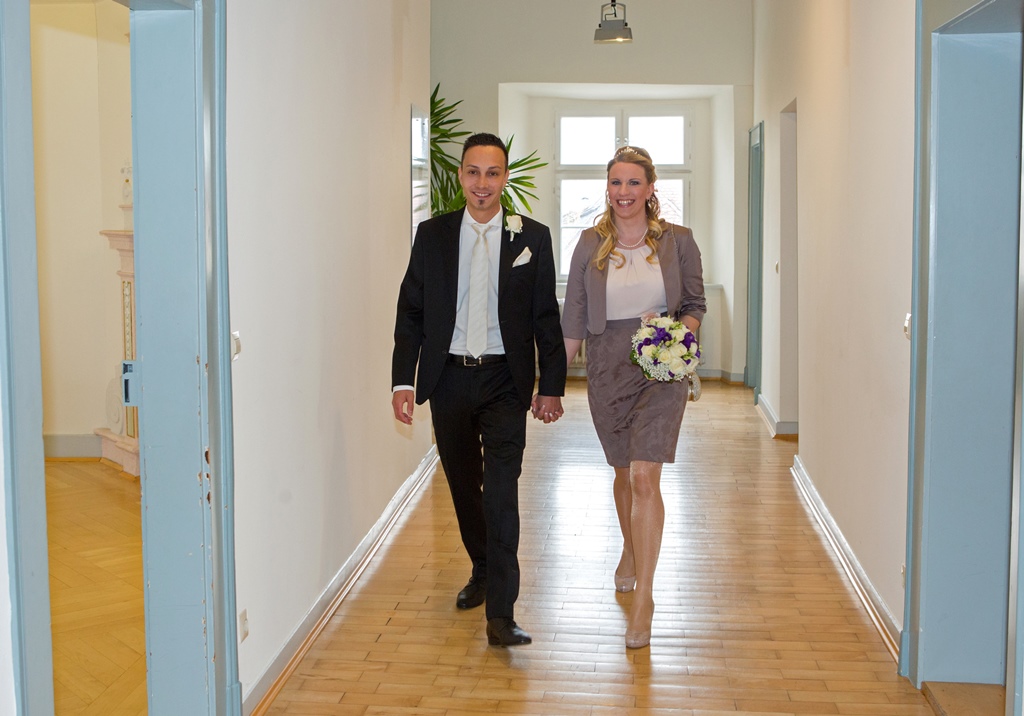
(680, 48)
(850, 66)
(115, 110)
(82, 120)
(318, 176)
(731, 112)
(675, 42)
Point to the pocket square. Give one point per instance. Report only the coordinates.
(523, 258)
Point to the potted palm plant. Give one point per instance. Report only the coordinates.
(445, 190)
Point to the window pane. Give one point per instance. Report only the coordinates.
(670, 196)
(662, 137)
(587, 140)
(568, 239)
(582, 201)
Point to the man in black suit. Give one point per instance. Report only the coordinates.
(476, 306)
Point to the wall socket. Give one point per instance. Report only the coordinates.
(243, 625)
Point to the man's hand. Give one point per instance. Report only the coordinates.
(547, 408)
(402, 403)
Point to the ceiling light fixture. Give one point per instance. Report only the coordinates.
(612, 26)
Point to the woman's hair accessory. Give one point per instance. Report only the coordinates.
(632, 150)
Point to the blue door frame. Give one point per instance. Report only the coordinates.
(183, 344)
(21, 392)
(755, 257)
(958, 611)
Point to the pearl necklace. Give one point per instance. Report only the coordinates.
(633, 246)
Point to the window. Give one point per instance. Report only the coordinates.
(587, 141)
(581, 202)
(663, 137)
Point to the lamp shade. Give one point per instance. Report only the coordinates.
(613, 26)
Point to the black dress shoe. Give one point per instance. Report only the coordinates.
(503, 631)
(473, 594)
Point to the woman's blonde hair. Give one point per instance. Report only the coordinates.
(605, 226)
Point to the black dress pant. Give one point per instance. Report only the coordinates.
(480, 428)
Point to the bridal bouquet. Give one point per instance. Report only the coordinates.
(665, 349)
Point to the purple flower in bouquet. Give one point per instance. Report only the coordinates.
(665, 349)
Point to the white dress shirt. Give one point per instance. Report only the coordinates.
(467, 238)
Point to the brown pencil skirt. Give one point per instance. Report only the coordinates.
(635, 418)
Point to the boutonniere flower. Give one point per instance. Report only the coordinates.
(514, 223)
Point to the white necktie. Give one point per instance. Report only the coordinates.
(476, 331)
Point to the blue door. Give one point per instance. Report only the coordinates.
(183, 346)
(957, 617)
(183, 356)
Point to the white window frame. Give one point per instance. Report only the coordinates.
(622, 111)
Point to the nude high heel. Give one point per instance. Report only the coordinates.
(624, 584)
(639, 638)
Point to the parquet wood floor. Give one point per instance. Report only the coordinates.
(754, 615)
(94, 525)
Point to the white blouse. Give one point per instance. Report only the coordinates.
(636, 287)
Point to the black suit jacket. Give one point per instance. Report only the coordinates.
(527, 308)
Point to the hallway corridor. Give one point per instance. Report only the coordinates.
(753, 612)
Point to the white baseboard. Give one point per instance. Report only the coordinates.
(771, 419)
(877, 610)
(270, 683)
(717, 374)
(120, 450)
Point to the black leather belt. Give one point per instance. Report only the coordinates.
(470, 361)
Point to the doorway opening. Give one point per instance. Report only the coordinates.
(82, 120)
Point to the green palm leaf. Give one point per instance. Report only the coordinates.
(445, 191)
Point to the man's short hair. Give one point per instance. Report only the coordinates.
(484, 139)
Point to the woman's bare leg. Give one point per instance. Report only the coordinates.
(625, 573)
(647, 522)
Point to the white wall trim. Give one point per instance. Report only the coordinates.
(715, 374)
(771, 419)
(269, 684)
(877, 610)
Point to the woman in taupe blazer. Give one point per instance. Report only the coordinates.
(632, 264)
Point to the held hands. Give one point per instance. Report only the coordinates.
(402, 403)
(547, 408)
